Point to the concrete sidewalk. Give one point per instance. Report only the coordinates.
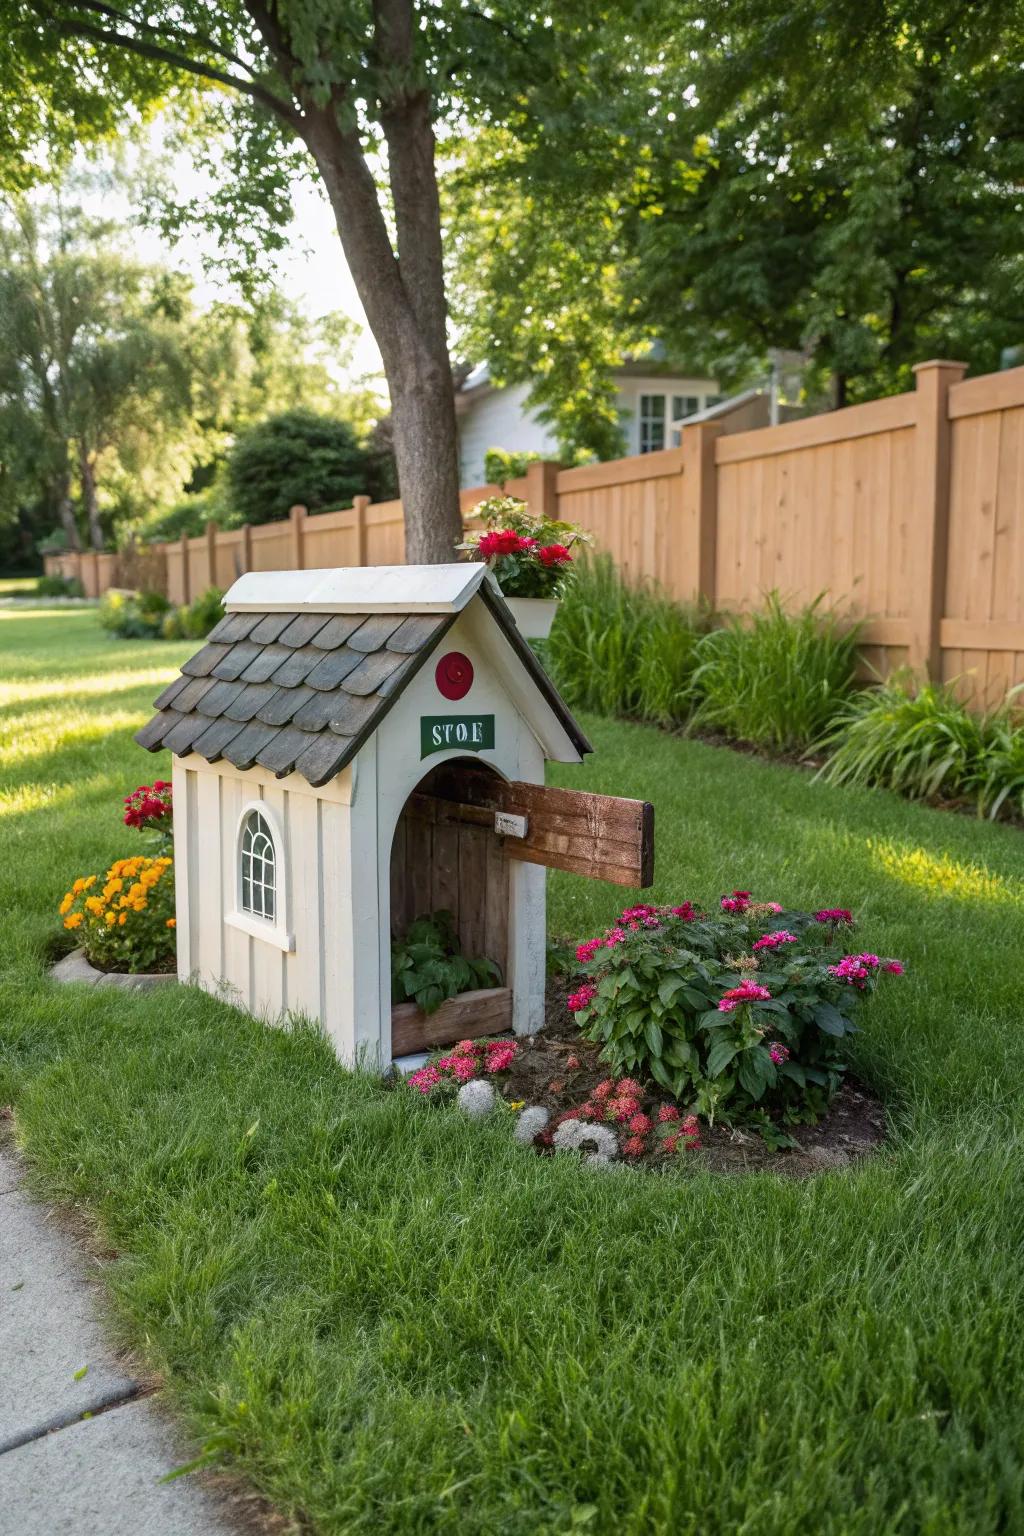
(62, 1471)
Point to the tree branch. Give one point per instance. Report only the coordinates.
(162, 55)
(167, 29)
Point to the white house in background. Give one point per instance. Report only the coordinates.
(652, 403)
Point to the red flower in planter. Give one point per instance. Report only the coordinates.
(149, 806)
(554, 554)
(503, 541)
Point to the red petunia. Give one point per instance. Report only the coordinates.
(554, 554)
(503, 541)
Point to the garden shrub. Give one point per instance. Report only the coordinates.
(742, 1013)
(59, 586)
(623, 650)
(295, 458)
(776, 679)
(125, 918)
(501, 464)
(133, 615)
(999, 777)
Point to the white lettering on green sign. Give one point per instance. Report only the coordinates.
(444, 733)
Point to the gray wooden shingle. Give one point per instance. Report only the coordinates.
(283, 705)
(332, 667)
(350, 715)
(270, 627)
(281, 754)
(325, 758)
(180, 739)
(215, 738)
(374, 631)
(171, 692)
(193, 693)
(234, 626)
(297, 667)
(219, 697)
(153, 732)
(266, 663)
(372, 671)
(252, 698)
(204, 661)
(302, 628)
(417, 631)
(237, 659)
(337, 630)
(242, 749)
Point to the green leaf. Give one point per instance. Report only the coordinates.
(720, 1055)
(669, 986)
(654, 1037)
(829, 1019)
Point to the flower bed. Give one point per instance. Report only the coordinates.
(710, 1039)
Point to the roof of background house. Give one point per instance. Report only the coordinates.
(306, 664)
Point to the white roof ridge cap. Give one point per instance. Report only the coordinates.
(359, 589)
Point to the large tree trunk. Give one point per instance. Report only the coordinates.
(403, 295)
(92, 506)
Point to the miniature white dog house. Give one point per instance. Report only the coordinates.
(357, 748)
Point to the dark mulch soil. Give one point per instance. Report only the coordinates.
(541, 1074)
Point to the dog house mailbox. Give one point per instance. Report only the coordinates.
(357, 748)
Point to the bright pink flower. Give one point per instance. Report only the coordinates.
(778, 1053)
(638, 914)
(588, 949)
(773, 906)
(581, 998)
(635, 1146)
(554, 554)
(893, 967)
(614, 936)
(746, 992)
(463, 1069)
(773, 940)
(503, 541)
(739, 901)
(855, 969)
(640, 1124)
(426, 1078)
(629, 1087)
(668, 1112)
(834, 915)
(500, 1061)
(685, 911)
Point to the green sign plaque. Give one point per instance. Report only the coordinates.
(469, 733)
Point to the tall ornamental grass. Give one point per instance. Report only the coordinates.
(622, 650)
(920, 739)
(775, 678)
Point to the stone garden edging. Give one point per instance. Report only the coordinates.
(75, 967)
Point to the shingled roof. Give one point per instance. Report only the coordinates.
(301, 691)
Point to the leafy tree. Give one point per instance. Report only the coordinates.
(295, 458)
(360, 90)
(843, 180)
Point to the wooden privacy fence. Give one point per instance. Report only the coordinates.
(908, 512)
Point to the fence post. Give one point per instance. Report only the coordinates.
(186, 586)
(359, 506)
(245, 552)
(700, 511)
(542, 488)
(211, 554)
(297, 517)
(94, 561)
(929, 528)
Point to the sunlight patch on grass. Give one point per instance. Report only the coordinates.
(34, 690)
(940, 875)
(35, 797)
(58, 730)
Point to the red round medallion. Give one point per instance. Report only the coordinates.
(454, 675)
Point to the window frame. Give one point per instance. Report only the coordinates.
(271, 930)
(645, 421)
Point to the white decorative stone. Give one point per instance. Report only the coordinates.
(530, 1123)
(476, 1098)
(574, 1135)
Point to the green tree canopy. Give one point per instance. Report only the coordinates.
(842, 180)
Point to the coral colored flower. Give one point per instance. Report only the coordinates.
(604, 1090)
(640, 1124)
(668, 1112)
(746, 992)
(670, 1143)
(572, 1064)
(501, 1061)
(634, 1146)
(623, 1109)
(581, 998)
(628, 1087)
(773, 940)
(778, 1053)
(554, 554)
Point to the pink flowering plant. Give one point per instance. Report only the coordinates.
(442, 1077)
(742, 1012)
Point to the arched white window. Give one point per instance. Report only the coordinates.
(259, 867)
(259, 906)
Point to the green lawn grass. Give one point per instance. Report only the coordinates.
(390, 1320)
